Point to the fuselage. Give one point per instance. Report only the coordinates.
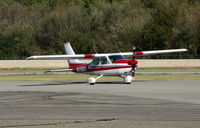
(105, 66)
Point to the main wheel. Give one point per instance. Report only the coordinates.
(91, 81)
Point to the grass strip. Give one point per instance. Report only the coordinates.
(83, 77)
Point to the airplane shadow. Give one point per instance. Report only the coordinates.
(64, 83)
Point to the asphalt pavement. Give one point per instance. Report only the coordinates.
(142, 104)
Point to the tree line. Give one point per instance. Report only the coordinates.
(33, 27)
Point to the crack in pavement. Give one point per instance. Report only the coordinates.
(59, 123)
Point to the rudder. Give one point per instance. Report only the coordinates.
(69, 51)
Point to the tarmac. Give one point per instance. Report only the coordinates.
(143, 104)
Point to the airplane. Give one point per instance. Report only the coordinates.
(108, 64)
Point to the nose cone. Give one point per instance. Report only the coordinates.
(132, 62)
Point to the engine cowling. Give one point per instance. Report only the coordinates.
(133, 62)
(130, 62)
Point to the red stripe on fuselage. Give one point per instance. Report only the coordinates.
(72, 66)
(106, 68)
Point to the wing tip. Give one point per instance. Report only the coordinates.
(30, 58)
(183, 50)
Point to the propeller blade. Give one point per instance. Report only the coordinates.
(133, 66)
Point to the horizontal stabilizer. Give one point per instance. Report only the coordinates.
(59, 70)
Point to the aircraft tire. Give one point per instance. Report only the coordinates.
(128, 79)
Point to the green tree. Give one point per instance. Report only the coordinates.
(159, 30)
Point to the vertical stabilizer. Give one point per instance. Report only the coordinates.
(70, 51)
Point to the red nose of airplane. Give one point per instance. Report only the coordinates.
(132, 62)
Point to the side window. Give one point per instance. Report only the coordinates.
(99, 61)
(95, 61)
(104, 61)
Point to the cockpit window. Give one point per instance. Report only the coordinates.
(104, 61)
(116, 57)
(99, 61)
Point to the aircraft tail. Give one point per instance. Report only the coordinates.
(70, 51)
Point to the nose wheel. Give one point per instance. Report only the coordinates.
(128, 79)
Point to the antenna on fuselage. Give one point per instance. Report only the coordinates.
(118, 49)
(94, 50)
(134, 50)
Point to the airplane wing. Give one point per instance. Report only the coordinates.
(160, 51)
(85, 56)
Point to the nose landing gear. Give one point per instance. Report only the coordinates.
(128, 79)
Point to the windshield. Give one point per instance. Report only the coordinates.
(113, 58)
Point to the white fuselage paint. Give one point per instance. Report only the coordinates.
(110, 72)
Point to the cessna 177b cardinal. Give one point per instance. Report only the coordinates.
(108, 64)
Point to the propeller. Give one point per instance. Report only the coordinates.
(133, 65)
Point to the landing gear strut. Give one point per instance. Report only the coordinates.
(92, 80)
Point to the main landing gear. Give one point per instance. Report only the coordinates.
(92, 80)
(127, 79)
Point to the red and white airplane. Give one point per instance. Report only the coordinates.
(109, 64)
